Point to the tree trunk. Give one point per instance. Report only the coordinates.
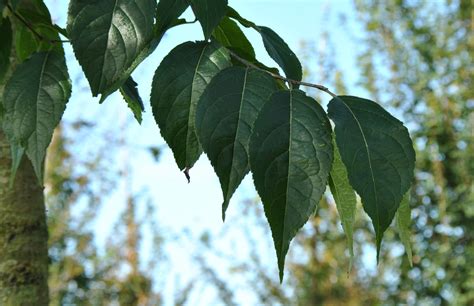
(23, 235)
(23, 231)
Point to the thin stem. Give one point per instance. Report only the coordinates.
(32, 30)
(277, 76)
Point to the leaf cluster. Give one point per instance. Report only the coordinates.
(214, 96)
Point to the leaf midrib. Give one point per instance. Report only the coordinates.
(190, 115)
(237, 129)
(107, 44)
(288, 172)
(370, 163)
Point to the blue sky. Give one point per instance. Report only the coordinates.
(197, 206)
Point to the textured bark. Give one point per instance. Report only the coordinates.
(23, 231)
(23, 235)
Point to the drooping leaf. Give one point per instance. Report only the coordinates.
(34, 99)
(228, 34)
(130, 93)
(281, 53)
(39, 35)
(5, 46)
(225, 116)
(109, 37)
(378, 154)
(290, 157)
(235, 15)
(209, 13)
(177, 86)
(167, 12)
(403, 225)
(345, 198)
(276, 47)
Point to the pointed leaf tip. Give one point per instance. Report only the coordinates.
(378, 153)
(225, 117)
(177, 87)
(290, 157)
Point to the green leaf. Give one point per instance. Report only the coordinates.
(378, 154)
(290, 157)
(168, 12)
(235, 15)
(281, 53)
(5, 46)
(403, 225)
(108, 37)
(25, 43)
(345, 198)
(130, 93)
(276, 47)
(34, 99)
(228, 34)
(177, 86)
(27, 38)
(209, 13)
(225, 117)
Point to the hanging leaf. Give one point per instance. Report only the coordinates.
(34, 99)
(110, 38)
(235, 15)
(39, 21)
(345, 198)
(177, 86)
(290, 157)
(5, 46)
(378, 154)
(209, 13)
(281, 53)
(403, 225)
(130, 93)
(228, 34)
(276, 47)
(225, 116)
(168, 12)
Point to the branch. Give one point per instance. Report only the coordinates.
(277, 76)
(30, 27)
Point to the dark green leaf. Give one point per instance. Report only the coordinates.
(345, 199)
(228, 34)
(209, 13)
(15, 3)
(130, 93)
(281, 53)
(235, 15)
(168, 12)
(35, 98)
(108, 37)
(225, 117)
(177, 86)
(290, 157)
(378, 153)
(5, 46)
(403, 225)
